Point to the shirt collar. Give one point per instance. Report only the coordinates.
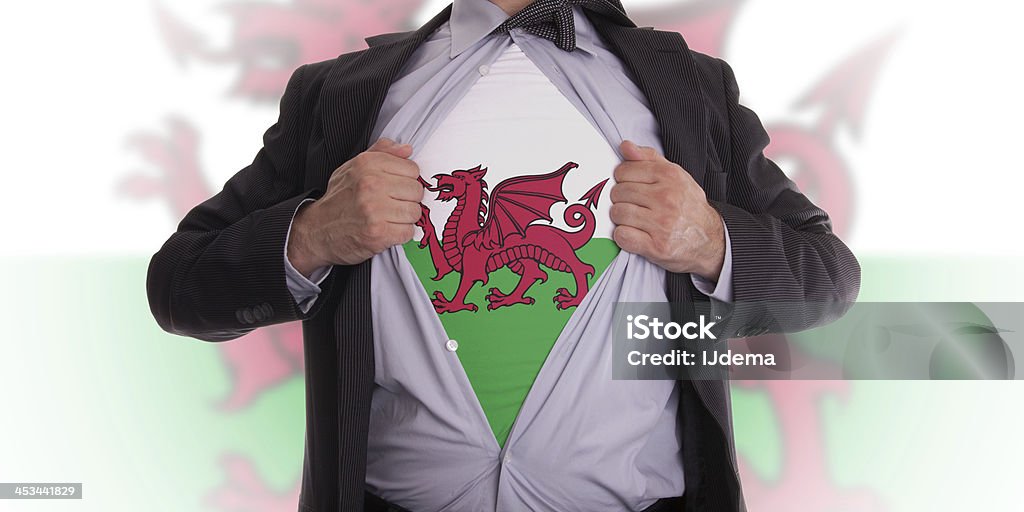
(472, 20)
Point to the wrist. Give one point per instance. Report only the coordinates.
(714, 259)
(301, 249)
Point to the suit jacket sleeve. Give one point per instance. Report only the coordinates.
(222, 273)
(789, 269)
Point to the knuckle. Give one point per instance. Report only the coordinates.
(621, 237)
(374, 231)
(616, 212)
(620, 171)
(364, 159)
(369, 183)
(616, 193)
(415, 190)
(412, 168)
(664, 172)
(405, 214)
(365, 206)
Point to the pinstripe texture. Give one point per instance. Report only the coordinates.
(224, 264)
(239, 233)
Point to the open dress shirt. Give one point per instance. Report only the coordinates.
(580, 440)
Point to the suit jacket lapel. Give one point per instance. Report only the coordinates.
(349, 103)
(666, 73)
(356, 87)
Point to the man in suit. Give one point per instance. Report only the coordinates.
(700, 216)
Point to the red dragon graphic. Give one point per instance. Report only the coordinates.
(504, 234)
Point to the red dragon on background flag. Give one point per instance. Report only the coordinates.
(270, 39)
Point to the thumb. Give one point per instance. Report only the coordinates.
(386, 145)
(631, 151)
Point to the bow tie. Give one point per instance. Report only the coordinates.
(552, 19)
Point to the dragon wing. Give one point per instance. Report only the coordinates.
(517, 202)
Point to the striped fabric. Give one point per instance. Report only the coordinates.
(221, 273)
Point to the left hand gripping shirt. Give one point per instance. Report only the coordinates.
(513, 241)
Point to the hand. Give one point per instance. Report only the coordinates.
(662, 214)
(371, 203)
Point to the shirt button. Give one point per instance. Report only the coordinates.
(507, 458)
(483, 69)
(451, 345)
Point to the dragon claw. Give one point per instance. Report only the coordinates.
(565, 300)
(443, 305)
(497, 299)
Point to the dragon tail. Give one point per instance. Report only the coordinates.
(582, 215)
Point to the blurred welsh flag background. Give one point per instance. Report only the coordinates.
(900, 117)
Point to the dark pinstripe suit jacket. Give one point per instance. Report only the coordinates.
(221, 274)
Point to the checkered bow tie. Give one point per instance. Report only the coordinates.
(552, 19)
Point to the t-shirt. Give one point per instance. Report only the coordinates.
(516, 226)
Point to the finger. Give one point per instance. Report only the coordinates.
(642, 194)
(403, 188)
(636, 172)
(397, 166)
(400, 212)
(386, 145)
(628, 214)
(399, 150)
(631, 151)
(399, 233)
(381, 144)
(632, 240)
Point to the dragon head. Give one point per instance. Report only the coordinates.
(454, 185)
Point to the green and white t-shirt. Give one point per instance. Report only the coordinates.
(519, 230)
